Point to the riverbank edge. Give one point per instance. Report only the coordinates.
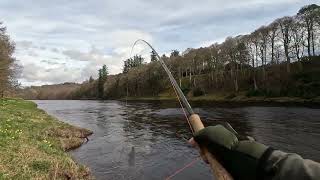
(234, 99)
(61, 138)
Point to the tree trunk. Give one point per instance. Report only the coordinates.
(190, 76)
(300, 66)
(253, 59)
(127, 90)
(286, 50)
(255, 82)
(312, 39)
(272, 48)
(216, 79)
(236, 86)
(235, 80)
(211, 73)
(309, 41)
(180, 76)
(297, 52)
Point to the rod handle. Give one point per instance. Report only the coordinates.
(219, 172)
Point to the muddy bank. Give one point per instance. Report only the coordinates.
(71, 137)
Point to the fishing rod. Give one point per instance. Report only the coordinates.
(194, 121)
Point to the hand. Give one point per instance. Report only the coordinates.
(240, 158)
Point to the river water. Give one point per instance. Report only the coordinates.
(147, 140)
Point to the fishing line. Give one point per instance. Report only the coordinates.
(173, 83)
(184, 112)
(183, 168)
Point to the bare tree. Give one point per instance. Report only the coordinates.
(286, 24)
(273, 34)
(308, 15)
(298, 39)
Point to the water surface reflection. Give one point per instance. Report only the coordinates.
(146, 140)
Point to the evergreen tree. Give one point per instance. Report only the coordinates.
(136, 61)
(103, 73)
(153, 56)
(91, 79)
(174, 53)
(126, 66)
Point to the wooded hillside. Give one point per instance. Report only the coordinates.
(57, 91)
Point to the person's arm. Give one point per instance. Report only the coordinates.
(246, 159)
(280, 165)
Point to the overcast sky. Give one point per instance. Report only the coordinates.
(68, 40)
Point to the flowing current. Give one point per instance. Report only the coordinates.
(147, 140)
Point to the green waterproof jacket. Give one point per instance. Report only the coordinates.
(279, 165)
(246, 159)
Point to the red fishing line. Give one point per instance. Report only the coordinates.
(183, 168)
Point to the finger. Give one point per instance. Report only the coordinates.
(193, 142)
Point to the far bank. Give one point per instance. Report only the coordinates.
(235, 100)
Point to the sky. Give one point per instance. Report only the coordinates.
(61, 41)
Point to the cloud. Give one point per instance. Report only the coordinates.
(51, 62)
(33, 53)
(49, 75)
(128, 37)
(76, 37)
(74, 54)
(42, 48)
(24, 44)
(55, 50)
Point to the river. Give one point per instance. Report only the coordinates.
(147, 140)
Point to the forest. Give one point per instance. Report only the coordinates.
(280, 59)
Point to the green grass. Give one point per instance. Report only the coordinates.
(32, 144)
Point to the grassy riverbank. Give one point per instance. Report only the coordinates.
(33, 144)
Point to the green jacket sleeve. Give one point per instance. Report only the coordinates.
(280, 165)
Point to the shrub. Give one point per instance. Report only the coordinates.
(185, 90)
(198, 92)
(231, 96)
